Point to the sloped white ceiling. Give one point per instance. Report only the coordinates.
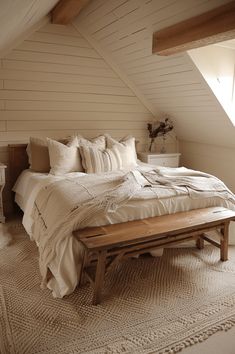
(124, 28)
(19, 16)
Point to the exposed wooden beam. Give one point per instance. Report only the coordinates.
(211, 27)
(66, 10)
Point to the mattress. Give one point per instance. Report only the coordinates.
(63, 266)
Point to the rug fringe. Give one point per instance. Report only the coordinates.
(198, 338)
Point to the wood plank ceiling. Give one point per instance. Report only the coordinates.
(124, 28)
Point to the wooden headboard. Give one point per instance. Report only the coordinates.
(18, 161)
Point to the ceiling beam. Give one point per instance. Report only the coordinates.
(208, 28)
(66, 10)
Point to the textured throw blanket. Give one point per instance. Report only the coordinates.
(193, 181)
(89, 197)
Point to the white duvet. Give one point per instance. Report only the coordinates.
(56, 206)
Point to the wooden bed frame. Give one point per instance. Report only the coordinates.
(18, 161)
(107, 245)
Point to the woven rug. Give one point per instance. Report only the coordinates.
(150, 305)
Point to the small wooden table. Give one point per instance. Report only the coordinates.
(107, 245)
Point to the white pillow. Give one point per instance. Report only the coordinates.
(97, 161)
(126, 148)
(64, 158)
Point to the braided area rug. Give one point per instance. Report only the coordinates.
(150, 305)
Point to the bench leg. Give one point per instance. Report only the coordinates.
(224, 243)
(83, 278)
(200, 243)
(99, 277)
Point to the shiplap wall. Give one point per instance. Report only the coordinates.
(124, 28)
(55, 84)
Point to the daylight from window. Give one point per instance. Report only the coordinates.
(217, 65)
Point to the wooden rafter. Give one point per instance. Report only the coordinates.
(66, 10)
(211, 27)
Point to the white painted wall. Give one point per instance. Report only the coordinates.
(216, 160)
(217, 63)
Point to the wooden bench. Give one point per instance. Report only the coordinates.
(107, 245)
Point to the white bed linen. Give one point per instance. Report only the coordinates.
(65, 275)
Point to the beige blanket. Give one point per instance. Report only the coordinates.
(67, 205)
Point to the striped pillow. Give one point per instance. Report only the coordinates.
(97, 161)
(98, 143)
(126, 148)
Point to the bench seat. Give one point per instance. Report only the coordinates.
(107, 245)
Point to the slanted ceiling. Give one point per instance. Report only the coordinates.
(18, 18)
(121, 32)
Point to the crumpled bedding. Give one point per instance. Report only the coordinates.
(67, 204)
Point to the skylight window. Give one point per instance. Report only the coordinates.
(217, 65)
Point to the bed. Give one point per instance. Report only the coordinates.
(55, 206)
